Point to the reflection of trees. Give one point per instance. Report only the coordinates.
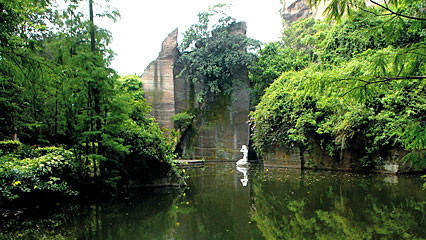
(283, 204)
(143, 217)
(310, 205)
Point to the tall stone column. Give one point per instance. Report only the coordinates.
(158, 81)
(220, 131)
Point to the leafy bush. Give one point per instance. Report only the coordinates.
(182, 120)
(150, 154)
(9, 146)
(333, 108)
(149, 150)
(50, 172)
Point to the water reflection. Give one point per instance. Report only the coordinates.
(277, 204)
(318, 205)
(243, 170)
(150, 214)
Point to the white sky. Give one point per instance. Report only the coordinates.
(144, 24)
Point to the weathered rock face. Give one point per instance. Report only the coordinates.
(158, 82)
(222, 128)
(294, 10)
(218, 132)
(317, 158)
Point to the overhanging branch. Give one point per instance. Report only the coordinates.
(382, 80)
(396, 13)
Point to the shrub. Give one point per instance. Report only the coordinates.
(9, 146)
(50, 172)
(182, 120)
(150, 155)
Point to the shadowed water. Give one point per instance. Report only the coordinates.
(274, 204)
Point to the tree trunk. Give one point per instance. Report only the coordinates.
(96, 91)
(56, 119)
(92, 28)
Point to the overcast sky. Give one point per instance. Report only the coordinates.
(144, 24)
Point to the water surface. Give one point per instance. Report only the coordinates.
(273, 204)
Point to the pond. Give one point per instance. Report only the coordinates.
(223, 202)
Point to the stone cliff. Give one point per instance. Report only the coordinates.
(158, 82)
(294, 10)
(222, 128)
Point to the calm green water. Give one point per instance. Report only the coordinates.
(274, 204)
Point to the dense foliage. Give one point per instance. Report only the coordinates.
(361, 88)
(9, 146)
(213, 54)
(291, 54)
(182, 120)
(56, 88)
(40, 171)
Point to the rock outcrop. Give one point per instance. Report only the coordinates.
(294, 10)
(222, 128)
(158, 81)
(317, 158)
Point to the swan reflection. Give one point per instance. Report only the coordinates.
(243, 170)
(243, 164)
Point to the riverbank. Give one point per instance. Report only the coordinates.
(41, 176)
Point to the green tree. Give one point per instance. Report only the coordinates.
(150, 152)
(212, 54)
(22, 24)
(57, 88)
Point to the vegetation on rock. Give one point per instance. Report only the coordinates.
(182, 120)
(213, 53)
(353, 85)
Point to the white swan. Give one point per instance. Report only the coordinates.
(244, 160)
